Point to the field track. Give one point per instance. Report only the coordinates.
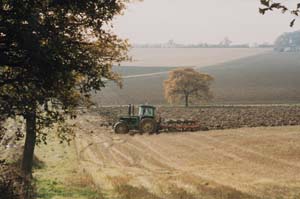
(248, 162)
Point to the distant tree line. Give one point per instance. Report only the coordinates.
(226, 43)
(288, 42)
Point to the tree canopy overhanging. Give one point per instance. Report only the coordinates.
(270, 5)
(53, 53)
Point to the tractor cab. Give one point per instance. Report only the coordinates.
(143, 122)
(146, 111)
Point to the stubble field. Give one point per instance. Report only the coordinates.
(242, 163)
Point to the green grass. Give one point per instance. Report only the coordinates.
(58, 174)
(48, 189)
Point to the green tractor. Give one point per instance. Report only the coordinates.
(145, 121)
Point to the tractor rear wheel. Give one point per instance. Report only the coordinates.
(148, 125)
(121, 128)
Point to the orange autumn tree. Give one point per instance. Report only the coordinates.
(186, 84)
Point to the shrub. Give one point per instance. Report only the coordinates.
(12, 184)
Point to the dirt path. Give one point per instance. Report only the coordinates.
(261, 162)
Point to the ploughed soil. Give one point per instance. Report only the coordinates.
(222, 117)
(258, 162)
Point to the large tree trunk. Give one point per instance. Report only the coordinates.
(30, 140)
(186, 100)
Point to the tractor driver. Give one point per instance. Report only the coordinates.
(147, 112)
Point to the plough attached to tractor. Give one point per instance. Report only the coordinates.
(147, 122)
(179, 125)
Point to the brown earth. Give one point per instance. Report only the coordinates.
(222, 117)
(242, 163)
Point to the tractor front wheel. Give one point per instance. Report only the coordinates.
(121, 128)
(148, 125)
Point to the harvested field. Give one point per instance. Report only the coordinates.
(171, 57)
(223, 117)
(243, 163)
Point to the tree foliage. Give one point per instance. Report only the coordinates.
(53, 53)
(186, 84)
(270, 5)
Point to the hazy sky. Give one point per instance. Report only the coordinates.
(194, 21)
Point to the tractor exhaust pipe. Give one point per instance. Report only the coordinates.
(129, 109)
(132, 110)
